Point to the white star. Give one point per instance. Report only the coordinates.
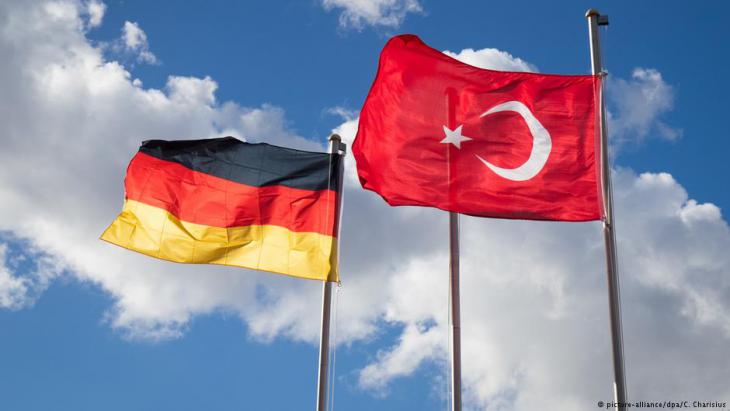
(454, 136)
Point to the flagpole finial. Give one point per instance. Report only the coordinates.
(601, 19)
(336, 144)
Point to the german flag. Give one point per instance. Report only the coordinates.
(224, 201)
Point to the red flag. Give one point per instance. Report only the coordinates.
(440, 133)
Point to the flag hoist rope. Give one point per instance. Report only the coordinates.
(336, 148)
(595, 19)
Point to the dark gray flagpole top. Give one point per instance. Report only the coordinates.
(337, 144)
(601, 20)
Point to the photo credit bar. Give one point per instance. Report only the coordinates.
(670, 405)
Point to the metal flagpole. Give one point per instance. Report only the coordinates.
(455, 312)
(336, 147)
(324, 346)
(451, 102)
(595, 19)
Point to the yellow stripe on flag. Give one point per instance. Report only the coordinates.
(153, 231)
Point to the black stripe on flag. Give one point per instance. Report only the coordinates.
(257, 164)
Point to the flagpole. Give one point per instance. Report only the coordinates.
(324, 346)
(337, 147)
(455, 312)
(595, 19)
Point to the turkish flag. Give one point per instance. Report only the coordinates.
(439, 133)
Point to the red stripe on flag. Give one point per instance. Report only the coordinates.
(205, 199)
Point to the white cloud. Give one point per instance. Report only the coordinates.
(378, 13)
(637, 106)
(192, 91)
(342, 112)
(96, 10)
(133, 36)
(533, 294)
(492, 59)
(13, 290)
(37, 270)
(418, 293)
(135, 41)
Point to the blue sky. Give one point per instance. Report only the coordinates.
(87, 327)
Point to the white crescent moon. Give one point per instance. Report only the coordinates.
(542, 144)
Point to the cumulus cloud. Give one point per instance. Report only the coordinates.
(534, 301)
(95, 10)
(637, 105)
(342, 112)
(492, 59)
(13, 290)
(423, 301)
(24, 273)
(533, 293)
(133, 36)
(135, 41)
(357, 14)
